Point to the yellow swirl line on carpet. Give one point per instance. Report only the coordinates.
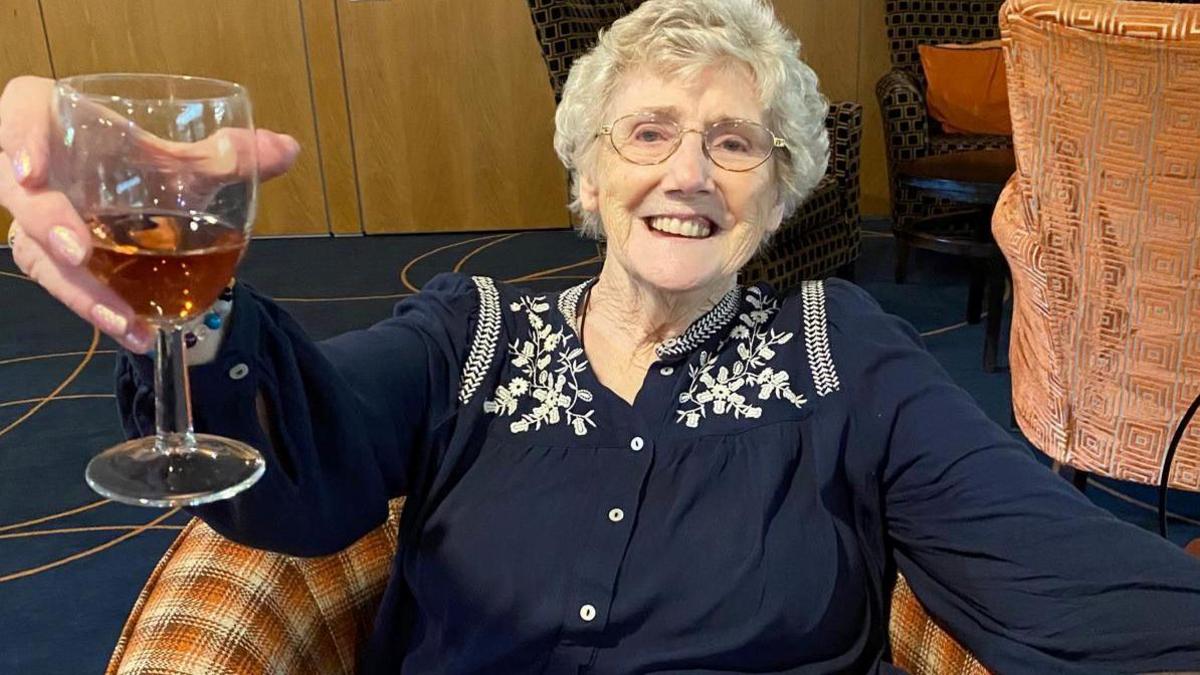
(20, 359)
(94, 528)
(91, 350)
(87, 552)
(346, 298)
(569, 277)
(404, 271)
(463, 260)
(54, 516)
(552, 270)
(1138, 503)
(5, 404)
(22, 277)
(962, 324)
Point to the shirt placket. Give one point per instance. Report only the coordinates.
(614, 514)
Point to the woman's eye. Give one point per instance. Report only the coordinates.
(649, 135)
(733, 144)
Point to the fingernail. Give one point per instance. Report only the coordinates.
(109, 321)
(67, 245)
(22, 165)
(139, 340)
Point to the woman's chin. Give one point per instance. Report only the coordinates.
(679, 279)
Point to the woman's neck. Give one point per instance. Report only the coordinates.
(634, 317)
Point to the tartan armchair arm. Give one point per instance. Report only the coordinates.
(905, 119)
(919, 645)
(844, 123)
(216, 607)
(219, 608)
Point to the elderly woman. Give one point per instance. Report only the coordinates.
(657, 470)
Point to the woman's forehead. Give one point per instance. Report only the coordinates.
(714, 94)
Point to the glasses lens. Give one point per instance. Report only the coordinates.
(644, 138)
(739, 145)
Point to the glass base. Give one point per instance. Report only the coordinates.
(134, 472)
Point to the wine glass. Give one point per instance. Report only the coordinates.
(163, 171)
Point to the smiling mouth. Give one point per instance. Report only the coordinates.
(688, 228)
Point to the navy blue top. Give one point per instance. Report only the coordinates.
(748, 513)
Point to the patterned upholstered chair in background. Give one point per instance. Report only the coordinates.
(212, 607)
(908, 130)
(822, 238)
(1101, 227)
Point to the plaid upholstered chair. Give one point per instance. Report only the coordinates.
(1100, 226)
(908, 130)
(823, 237)
(213, 607)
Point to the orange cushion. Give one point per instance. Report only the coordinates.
(967, 91)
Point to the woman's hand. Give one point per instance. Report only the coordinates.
(49, 240)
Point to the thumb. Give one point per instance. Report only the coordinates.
(276, 153)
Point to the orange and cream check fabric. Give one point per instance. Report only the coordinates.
(213, 607)
(1101, 227)
(919, 645)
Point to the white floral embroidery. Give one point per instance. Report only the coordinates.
(727, 389)
(557, 392)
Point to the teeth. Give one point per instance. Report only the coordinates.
(687, 228)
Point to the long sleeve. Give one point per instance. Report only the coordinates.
(355, 417)
(1020, 566)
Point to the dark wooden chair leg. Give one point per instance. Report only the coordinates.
(995, 302)
(901, 271)
(1079, 479)
(975, 292)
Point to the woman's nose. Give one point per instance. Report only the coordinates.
(689, 169)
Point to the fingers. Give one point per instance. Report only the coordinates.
(76, 288)
(47, 217)
(276, 153)
(227, 156)
(25, 122)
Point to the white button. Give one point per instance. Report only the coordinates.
(587, 612)
(637, 443)
(239, 371)
(616, 515)
(667, 370)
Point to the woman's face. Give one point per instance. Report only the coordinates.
(647, 211)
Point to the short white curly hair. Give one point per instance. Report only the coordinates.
(680, 39)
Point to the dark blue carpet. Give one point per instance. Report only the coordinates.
(71, 564)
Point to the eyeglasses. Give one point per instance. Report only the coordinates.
(649, 138)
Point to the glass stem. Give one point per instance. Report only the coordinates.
(172, 396)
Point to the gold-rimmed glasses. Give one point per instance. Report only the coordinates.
(647, 138)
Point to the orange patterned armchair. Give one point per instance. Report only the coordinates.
(1101, 227)
(214, 607)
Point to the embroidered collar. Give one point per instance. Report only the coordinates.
(696, 334)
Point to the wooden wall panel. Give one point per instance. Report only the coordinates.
(845, 43)
(873, 63)
(332, 115)
(452, 116)
(829, 34)
(259, 44)
(24, 53)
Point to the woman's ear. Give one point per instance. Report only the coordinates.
(775, 218)
(589, 193)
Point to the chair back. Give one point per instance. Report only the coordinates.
(568, 28)
(1101, 226)
(911, 23)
